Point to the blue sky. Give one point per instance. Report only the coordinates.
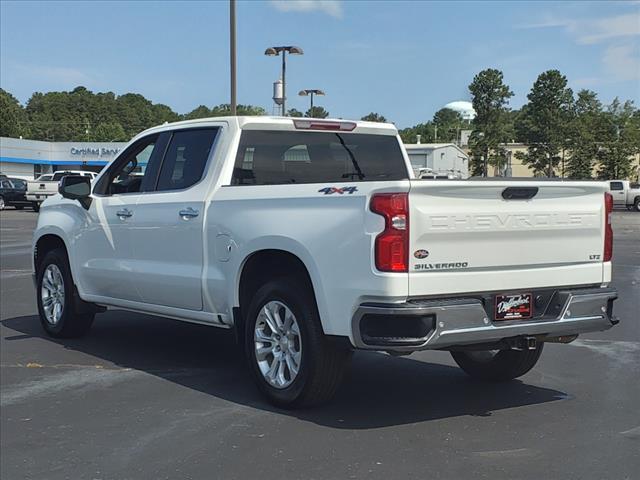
(402, 59)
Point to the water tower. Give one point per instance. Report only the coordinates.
(278, 98)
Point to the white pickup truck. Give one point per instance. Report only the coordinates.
(44, 186)
(311, 238)
(624, 195)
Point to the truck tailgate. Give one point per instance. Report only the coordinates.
(465, 237)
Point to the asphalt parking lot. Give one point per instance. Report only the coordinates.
(144, 397)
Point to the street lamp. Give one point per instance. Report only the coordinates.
(274, 52)
(311, 93)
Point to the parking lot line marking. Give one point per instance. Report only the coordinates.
(70, 380)
(632, 432)
(64, 365)
(516, 452)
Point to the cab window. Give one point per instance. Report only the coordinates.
(133, 172)
(186, 158)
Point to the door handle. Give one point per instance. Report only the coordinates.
(124, 213)
(188, 213)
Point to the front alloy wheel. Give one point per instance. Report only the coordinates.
(57, 305)
(52, 294)
(278, 344)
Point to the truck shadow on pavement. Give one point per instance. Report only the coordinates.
(378, 391)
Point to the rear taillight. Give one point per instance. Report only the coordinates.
(392, 245)
(608, 230)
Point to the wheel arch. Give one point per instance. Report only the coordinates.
(44, 244)
(262, 265)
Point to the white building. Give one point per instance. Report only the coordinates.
(28, 159)
(441, 158)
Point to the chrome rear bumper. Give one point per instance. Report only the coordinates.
(464, 321)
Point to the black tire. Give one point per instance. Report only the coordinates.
(636, 205)
(502, 366)
(2, 204)
(18, 207)
(322, 363)
(35, 206)
(71, 324)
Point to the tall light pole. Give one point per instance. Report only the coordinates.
(232, 54)
(310, 93)
(274, 52)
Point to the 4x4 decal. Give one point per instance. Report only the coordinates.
(341, 191)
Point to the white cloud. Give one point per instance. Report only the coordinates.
(590, 31)
(329, 7)
(597, 31)
(618, 34)
(623, 61)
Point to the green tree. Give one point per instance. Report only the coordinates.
(12, 116)
(374, 117)
(622, 141)
(490, 99)
(586, 129)
(545, 122)
(316, 112)
(135, 113)
(224, 110)
(81, 115)
(163, 113)
(448, 123)
(200, 111)
(425, 130)
(292, 112)
(108, 132)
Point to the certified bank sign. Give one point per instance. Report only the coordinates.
(94, 151)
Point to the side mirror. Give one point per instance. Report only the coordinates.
(76, 187)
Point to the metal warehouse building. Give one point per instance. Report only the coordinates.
(439, 157)
(28, 159)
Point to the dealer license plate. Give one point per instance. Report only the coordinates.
(514, 306)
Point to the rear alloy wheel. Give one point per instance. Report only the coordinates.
(292, 361)
(2, 204)
(278, 345)
(497, 365)
(636, 205)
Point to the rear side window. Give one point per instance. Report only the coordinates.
(186, 158)
(275, 158)
(616, 186)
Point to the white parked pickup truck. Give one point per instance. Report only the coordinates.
(311, 238)
(624, 195)
(44, 186)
